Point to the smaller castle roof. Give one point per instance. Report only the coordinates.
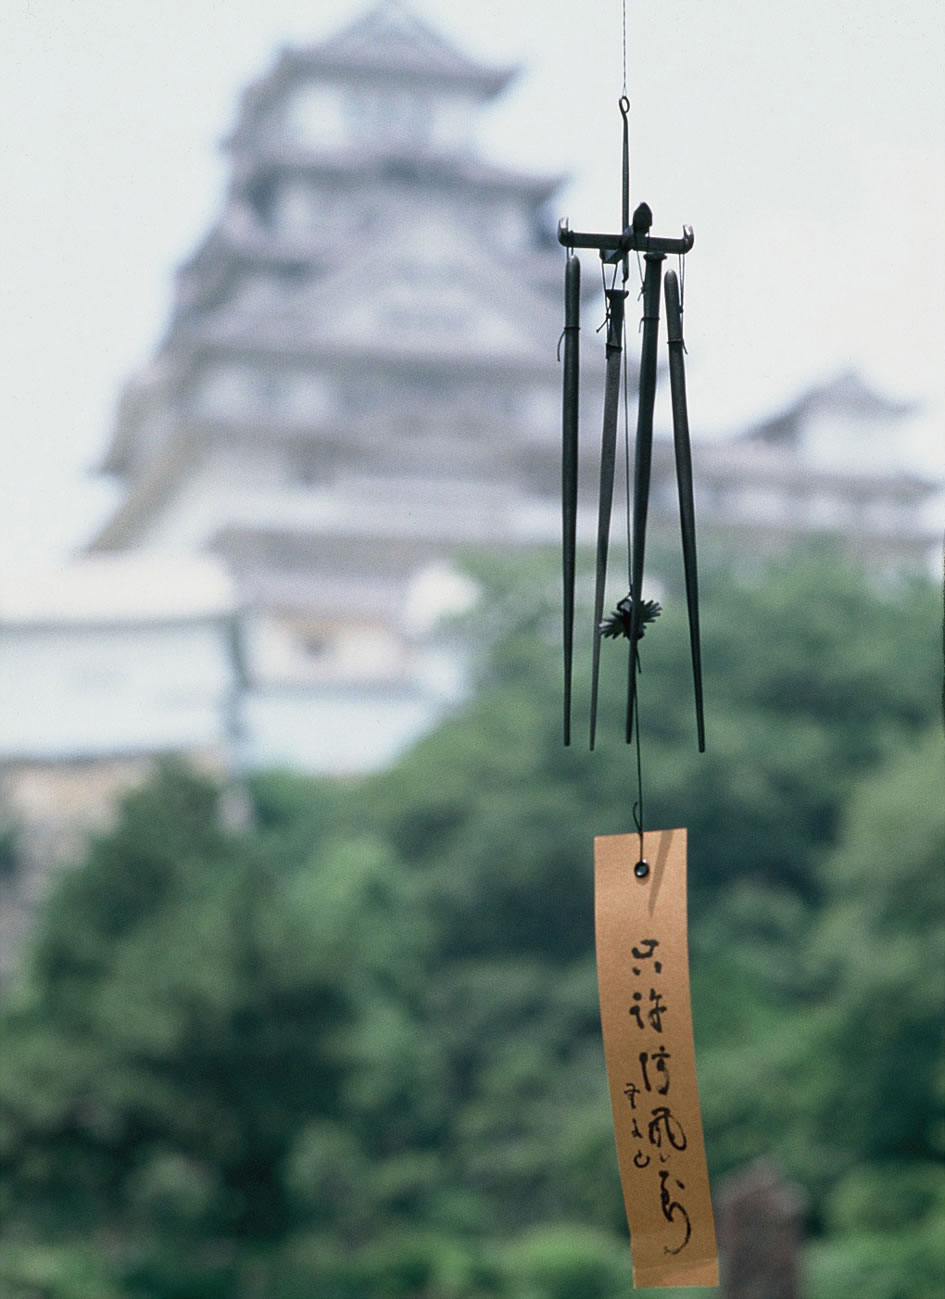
(846, 395)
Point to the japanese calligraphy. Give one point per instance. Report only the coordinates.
(672, 1210)
(656, 1059)
(652, 1013)
(646, 1018)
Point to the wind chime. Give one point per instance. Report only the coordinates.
(640, 878)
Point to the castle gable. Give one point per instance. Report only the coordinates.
(841, 425)
(389, 37)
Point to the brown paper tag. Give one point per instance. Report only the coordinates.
(646, 1017)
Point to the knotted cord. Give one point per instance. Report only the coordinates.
(624, 104)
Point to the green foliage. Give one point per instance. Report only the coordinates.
(9, 850)
(810, 679)
(562, 1262)
(872, 1265)
(878, 947)
(28, 1271)
(354, 1050)
(163, 1068)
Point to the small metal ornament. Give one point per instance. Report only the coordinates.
(633, 613)
(618, 623)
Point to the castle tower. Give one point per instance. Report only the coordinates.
(357, 381)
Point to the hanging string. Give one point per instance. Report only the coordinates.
(624, 103)
(638, 818)
(637, 810)
(626, 454)
(636, 666)
(624, 91)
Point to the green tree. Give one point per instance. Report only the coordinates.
(875, 1055)
(811, 677)
(164, 1059)
(354, 1050)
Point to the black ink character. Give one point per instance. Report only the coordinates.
(663, 1124)
(651, 945)
(672, 1209)
(655, 1013)
(631, 1091)
(657, 1010)
(640, 1160)
(658, 1058)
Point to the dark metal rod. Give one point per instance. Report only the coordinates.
(687, 513)
(625, 192)
(631, 240)
(643, 459)
(569, 467)
(608, 452)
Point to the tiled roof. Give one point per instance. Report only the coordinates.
(388, 40)
(389, 36)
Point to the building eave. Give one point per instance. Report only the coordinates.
(845, 392)
(386, 164)
(372, 357)
(148, 492)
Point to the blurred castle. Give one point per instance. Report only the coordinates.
(357, 384)
(358, 381)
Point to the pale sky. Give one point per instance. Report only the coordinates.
(805, 142)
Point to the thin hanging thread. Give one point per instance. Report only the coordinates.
(626, 455)
(638, 805)
(625, 95)
(625, 99)
(636, 667)
(624, 103)
(638, 812)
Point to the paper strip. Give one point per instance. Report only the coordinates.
(646, 1017)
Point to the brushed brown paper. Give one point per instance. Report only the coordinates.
(646, 1017)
